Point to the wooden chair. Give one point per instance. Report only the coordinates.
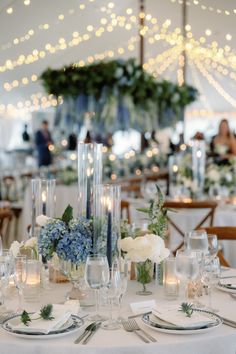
(5, 219)
(208, 206)
(223, 233)
(125, 210)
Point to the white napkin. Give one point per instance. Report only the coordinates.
(178, 318)
(61, 314)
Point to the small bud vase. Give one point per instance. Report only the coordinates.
(144, 275)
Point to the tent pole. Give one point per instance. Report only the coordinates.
(141, 36)
(184, 55)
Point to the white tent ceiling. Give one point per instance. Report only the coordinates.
(35, 26)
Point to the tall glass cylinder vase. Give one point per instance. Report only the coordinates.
(89, 175)
(198, 164)
(174, 166)
(43, 199)
(107, 213)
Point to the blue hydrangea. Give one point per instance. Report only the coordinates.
(72, 242)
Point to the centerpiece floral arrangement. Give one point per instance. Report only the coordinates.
(67, 237)
(221, 176)
(149, 248)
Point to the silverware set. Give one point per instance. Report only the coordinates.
(132, 326)
(88, 333)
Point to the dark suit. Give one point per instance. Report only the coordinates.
(44, 155)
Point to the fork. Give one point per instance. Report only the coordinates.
(136, 327)
(129, 328)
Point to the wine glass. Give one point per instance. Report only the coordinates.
(96, 277)
(187, 267)
(212, 245)
(20, 277)
(198, 241)
(4, 278)
(124, 275)
(210, 277)
(113, 291)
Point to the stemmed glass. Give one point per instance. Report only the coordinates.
(96, 277)
(210, 277)
(20, 277)
(4, 277)
(212, 245)
(197, 241)
(113, 291)
(124, 274)
(187, 267)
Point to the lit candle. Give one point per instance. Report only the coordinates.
(170, 281)
(109, 234)
(171, 286)
(44, 199)
(88, 203)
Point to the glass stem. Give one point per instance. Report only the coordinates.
(97, 301)
(120, 300)
(111, 312)
(1, 298)
(209, 297)
(20, 299)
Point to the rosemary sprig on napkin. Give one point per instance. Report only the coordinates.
(45, 313)
(187, 309)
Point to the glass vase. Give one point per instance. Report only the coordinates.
(107, 214)
(75, 275)
(198, 164)
(43, 200)
(144, 275)
(89, 175)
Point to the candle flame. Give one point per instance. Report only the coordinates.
(44, 197)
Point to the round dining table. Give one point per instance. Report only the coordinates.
(221, 340)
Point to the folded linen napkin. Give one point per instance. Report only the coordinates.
(173, 316)
(61, 314)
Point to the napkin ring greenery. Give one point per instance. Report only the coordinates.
(45, 314)
(187, 309)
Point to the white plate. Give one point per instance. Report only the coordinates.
(207, 328)
(70, 327)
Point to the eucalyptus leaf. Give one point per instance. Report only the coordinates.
(67, 215)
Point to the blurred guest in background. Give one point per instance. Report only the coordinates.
(25, 134)
(223, 145)
(42, 141)
(199, 136)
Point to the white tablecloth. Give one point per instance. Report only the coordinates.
(222, 340)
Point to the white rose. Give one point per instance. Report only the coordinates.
(31, 242)
(41, 220)
(228, 177)
(126, 244)
(214, 175)
(15, 248)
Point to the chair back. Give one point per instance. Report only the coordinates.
(223, 233)
(5, 219)
(207, 206)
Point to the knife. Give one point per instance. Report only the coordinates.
(140, 314)
(92, 332)
(86, 331)
(229, 322)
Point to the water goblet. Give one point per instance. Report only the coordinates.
(210, 277)
(20, 277)
(4, 278)
(96, 277)
(113, 291)
(187, 267)
(197, 241)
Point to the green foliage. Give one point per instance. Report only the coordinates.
(106, 81)
(25, 318)
(157, 215)
(46, 312)
(67, 215)
(187, 309)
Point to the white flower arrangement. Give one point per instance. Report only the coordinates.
(148, 247)
(30, 244)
